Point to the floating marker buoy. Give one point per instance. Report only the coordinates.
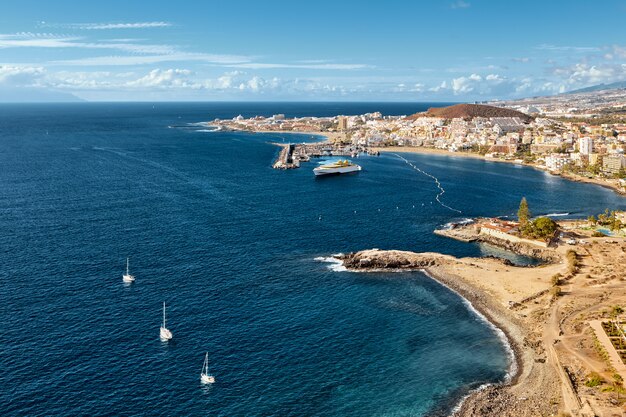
(437, 182)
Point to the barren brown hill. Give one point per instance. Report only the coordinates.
(469, 111)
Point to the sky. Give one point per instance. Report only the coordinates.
(437, 50)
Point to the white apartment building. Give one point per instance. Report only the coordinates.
(556, 161)
(585, 145)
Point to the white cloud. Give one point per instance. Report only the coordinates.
(46, 40)
(109, 26)
(460, 4)
(170, 78)
(488, 86)
(462, 85)
(494, 77)
(239, 80)
(146, 54)
(618, 51)
(440, 87)
(260, 65)
(16, 76)
(583, 74)
(132, 60)
(549, 47)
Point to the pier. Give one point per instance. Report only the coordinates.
(292, 154)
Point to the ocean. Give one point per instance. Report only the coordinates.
(231, 245)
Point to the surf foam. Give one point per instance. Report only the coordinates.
(334, 263)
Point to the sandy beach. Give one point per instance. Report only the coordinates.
(430, 151)
(551, 338)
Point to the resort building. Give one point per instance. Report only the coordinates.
(506, 231)
(498, 228)
(556, 162)
(611, 164)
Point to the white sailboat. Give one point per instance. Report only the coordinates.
(205, 378)
(164, 334)
(127, 277)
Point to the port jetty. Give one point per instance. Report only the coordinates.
(331, 132)
(292, 154)
(559, 317)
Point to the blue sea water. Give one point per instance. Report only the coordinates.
(230, 245)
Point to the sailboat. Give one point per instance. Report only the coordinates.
(165, 334)
(127, 277)
(205, 378)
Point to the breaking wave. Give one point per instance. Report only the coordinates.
(334, 264)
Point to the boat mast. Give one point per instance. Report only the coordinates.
(164, 314)
(127, 266)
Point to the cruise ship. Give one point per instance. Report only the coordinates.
(339, 167)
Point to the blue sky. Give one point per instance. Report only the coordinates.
(454, 50)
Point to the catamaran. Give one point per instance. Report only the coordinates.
(165, 333)
(127, 277)
(205, 378)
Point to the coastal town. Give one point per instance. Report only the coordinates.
(575, 140)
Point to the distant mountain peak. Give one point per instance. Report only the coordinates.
(599, 87)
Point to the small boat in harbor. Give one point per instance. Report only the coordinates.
(338, 167)
(127, 277)
(205, 378)
(165, 334)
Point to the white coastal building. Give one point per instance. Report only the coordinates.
(585, 145)
(556, 161)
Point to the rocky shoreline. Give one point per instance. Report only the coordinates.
(528, 368)
(545, 255)
(470, 233)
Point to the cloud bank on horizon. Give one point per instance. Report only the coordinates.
(440, 51)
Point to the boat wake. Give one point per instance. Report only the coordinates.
(557, 214)
(334, 263)
(441, 189)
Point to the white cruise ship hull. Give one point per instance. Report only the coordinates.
(339, 170)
